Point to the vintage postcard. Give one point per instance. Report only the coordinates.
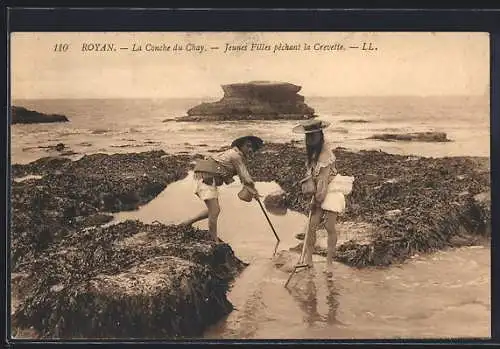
(250, 185)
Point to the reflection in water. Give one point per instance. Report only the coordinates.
(306, 295)
(332, 300)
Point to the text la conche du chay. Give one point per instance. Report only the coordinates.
(229, 47)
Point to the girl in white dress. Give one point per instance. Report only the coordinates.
(320, 172)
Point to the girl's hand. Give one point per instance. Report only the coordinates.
(254, 191)
(313, 205)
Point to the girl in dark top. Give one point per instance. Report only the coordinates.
(212, 172)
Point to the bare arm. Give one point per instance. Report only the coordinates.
(322, 184)
(242, 171)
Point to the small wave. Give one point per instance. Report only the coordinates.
(127, 145)
(120, 145)
(99, 131)
(339, 130)
(68, 133)
(391, 129)
(196, 128)
(358, 121)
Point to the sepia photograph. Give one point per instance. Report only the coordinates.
(250, 185)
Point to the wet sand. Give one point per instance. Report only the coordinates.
(440, 295)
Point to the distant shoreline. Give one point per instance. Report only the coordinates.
(218, 97)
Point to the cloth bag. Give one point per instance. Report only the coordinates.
(341, 184)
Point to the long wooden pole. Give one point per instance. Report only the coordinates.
(268, 220)
(301, 264)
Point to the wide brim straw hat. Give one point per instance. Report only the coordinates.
(257, 142)
(310, 126)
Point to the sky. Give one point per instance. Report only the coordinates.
(421, 64)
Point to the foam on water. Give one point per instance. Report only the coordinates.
(102, 122)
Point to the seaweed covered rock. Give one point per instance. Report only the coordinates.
(255, 100)
(113, 183)
(20, 286)
(21, 115)
(49, 164)
(435, 197)
(412, 137)
(275, 202)
(164, 297)
(283, 163)
(482, 203)
(75, 194)
(170, 280)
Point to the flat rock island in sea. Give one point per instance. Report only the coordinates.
(21, 115)
(255, 100)
(413, 137)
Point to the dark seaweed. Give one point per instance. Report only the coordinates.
(435, 195)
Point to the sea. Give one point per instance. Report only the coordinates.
(136, 125)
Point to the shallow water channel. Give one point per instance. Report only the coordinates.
(441, 295)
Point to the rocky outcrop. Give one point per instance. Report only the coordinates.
(256, 100)
(72, 194)
(415, 204)
(415, 137)
(21, 115)
(172, 280)
(74, 276)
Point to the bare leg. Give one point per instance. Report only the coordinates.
(212, 213)
(332, 236)
(201, 216)
(213, 216)
(311, 236)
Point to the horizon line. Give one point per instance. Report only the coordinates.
(219, 97)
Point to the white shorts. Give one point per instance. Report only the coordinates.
(205, 191)
(334, 201)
